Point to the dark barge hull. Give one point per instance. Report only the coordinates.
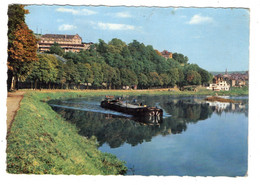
(136, 111)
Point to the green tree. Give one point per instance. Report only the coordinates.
(116, 46)
(154, 79)
(61, 76)
(165, 79)
(89, 74)
(193, 77)
(205, 76)
(116, 79)
(98, 75)
(142, 80)
(45, 70)
(56, 49)
(173, 73)
(108, 75)
(72, 73)
(102, 47)
(128, 77)
(181, 80)
(180, 58)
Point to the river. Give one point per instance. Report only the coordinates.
(195, 138)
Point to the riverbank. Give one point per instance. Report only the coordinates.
(41, 142)
(163, 91)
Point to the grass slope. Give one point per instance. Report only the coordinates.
(41, 142)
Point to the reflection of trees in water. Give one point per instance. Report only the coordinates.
(116, 130)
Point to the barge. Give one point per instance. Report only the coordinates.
(138, 110)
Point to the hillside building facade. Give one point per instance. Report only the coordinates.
(71, 43)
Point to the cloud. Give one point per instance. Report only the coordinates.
(76, 12)
(66, 27)
(111, 26)
(123, 14)
(198, 19)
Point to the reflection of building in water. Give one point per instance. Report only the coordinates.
(238, 107)
(228, 107)
(220, 106)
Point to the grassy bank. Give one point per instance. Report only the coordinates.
(202, 91)
(41, 142)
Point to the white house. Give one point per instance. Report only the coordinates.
(219, 85)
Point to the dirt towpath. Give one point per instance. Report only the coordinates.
(13, 104)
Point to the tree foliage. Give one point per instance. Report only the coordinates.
(56, 49)
(22, 46)
(116, 64)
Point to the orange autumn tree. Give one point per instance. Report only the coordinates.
(22, 48)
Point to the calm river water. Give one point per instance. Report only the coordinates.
(196, 138)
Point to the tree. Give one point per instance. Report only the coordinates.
(165, 79)
(205, 76)
(128, 77)
(102, 47)
(180, 58)
(98, 76)
(81, 68)
(154, 79)
(181, 77)
(116, 79)
(61, 76)
(72, 74)
(45, 70)
(174, 76)
(21, 54)
(142, 80)
(89, 74)
(16, 16)
(56, 49)
(158, 52)
(116, 45)
(108, 74)
(193, 78)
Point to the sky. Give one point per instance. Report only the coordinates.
(214, 38)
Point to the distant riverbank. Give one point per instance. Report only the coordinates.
(163, 91)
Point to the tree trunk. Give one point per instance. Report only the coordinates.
(35, 84)
(17, 82)
(12, 83)
(9, 79)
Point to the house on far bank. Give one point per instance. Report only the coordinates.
(219, 84)
(225, 81)
(238, 79)
(166, 54)
(71, 43)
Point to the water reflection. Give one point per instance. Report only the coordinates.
(117, 129)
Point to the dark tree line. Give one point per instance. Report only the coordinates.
(113, 65)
